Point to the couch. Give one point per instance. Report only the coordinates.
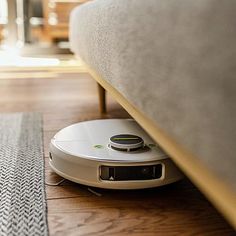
(172, 66)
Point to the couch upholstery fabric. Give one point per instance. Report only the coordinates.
(175, 61)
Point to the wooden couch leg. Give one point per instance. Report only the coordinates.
(102, 98)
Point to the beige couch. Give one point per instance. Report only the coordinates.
(172, 65)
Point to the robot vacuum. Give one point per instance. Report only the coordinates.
(111, 153)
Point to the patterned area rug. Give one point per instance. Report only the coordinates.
(23, 209)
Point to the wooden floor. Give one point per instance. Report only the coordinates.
(177, 209)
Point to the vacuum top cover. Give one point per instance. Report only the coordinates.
(108, 140)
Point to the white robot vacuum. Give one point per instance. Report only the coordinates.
(111, 153)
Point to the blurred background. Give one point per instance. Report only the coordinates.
(33, 27)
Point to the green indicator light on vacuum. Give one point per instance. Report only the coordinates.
(98, 146)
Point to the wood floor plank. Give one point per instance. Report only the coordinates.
(120, 224)
(148, 212)
(178, 209)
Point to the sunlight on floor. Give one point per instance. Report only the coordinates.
(10, 61)
(11, 58)
(7, 59)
